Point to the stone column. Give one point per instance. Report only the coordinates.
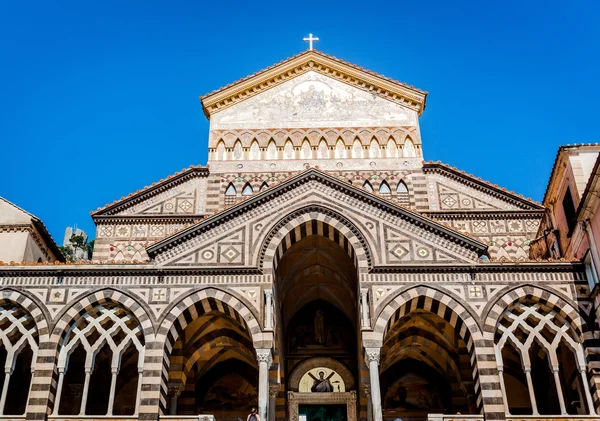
(273, 391)
(559, 392)
(527, 369)
(586, 390)
(113, 387)
(268, 309)
(372, 356)
(7, 374)
(173, 394)
(138, 395)
(503, 389)
(364, 305)
(264, 358)
(86, 387)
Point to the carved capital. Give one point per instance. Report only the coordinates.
(372, 354)
(175, 390)
(269, 293)
(274, 389)
(367, 389)
(263, 355)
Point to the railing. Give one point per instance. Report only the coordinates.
(92, 417)
(454, 417)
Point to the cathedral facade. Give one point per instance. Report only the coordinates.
(316, 268)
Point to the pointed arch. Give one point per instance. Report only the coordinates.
(357, 149)
(367, 186)
(238, 152)
(391, 150)
(264, 186)
(384, 189)
(340, 149)
(272, 150)
(288, 150)
(323, 149)
(221, 151)
(305, 151)
(247, 190)
(254, 151)
(230, 194)
(374, 149)
(409, 148)
(402, 194)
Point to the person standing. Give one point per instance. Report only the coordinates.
(253, 416)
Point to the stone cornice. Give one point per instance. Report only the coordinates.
(481, 185)
(155, 219)
(344, 72)
(152, 190)
(475, 214)
(304, 177)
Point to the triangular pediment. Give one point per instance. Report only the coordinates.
(317, 65)
(178, 195)
(395, 236)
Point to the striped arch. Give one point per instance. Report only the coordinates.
(314, 220)
(449, 309)
(34, 310)
(196, 304)
(565, 310)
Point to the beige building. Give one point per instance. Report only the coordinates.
(23, 237)
(317, 268)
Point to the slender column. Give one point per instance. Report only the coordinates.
(138, 396)
(586, 389)
(372, 356)
(84, 395)
(273, 391)
(268, 309)
(527, 370)
(559, 392)
(174, 393)
(264, 358)
(503, 389)
(59, 388)
(111, 396)
(30, 386)
(367, 390)
(364, 305)
(7, 374)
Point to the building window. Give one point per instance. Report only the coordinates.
(384, 190)
(590, 270)
(264, 186)
(402, 191)
(247, 191)
(230, 195)
(569, 209)
(368, 187)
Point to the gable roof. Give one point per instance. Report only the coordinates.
(301, 178)
(311, 60)
(151, 190)
(40, 227)
(476, 182)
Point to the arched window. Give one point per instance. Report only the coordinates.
(409, 149)
(323, 149)
(230, 195)
(237, 150)
(384, 189)
(374, 149)
(306, 151)
(105, 346)
(402, 194)
(247, 191)
(368, 187)
(357, 149)
(340, 149)
(391, 149)
(272, 150)
(264, 186)
(254, 151)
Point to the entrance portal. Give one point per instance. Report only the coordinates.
(322, 413)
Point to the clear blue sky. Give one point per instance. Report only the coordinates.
(100, 99)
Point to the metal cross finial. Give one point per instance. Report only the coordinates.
(310, 40)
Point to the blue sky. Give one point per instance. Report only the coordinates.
(100, 99)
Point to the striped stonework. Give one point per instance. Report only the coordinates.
(484, 370)
(314, 220)
(180, 314)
